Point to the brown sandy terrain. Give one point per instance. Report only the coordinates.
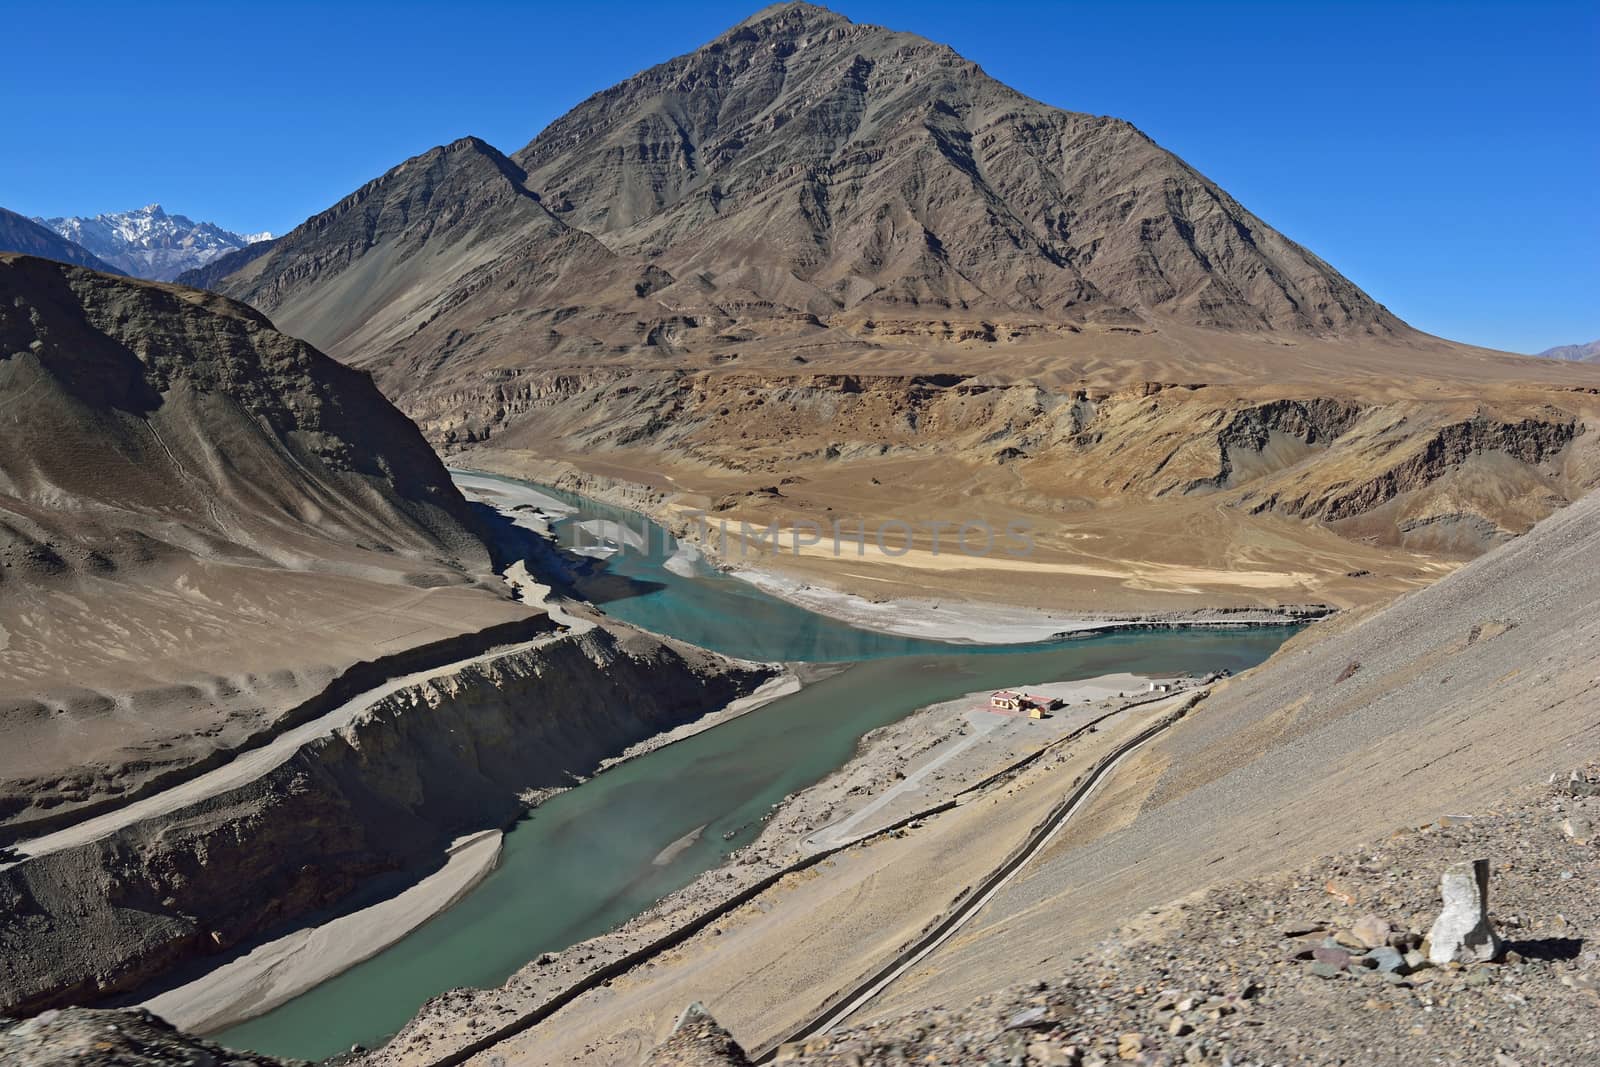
(202, 522)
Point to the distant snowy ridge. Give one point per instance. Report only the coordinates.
(149, 243)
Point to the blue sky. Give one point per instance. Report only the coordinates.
(1442, 155)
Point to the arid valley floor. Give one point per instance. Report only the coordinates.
(816, 558)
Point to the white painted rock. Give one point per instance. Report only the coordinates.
(1462, 933)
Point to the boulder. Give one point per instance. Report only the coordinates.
(1463, 933)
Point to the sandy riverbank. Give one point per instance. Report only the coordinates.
(955, 619)
(969, 622)
(278, 971)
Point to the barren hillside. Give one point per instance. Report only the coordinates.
(201, 522)
(845, 256)
(1438, 704)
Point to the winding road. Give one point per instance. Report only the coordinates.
(851, 1001)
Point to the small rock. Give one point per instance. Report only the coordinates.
(1338, 892)
(1349, 939)
(1337, 958)
(1048, 1055)
(1028, 1017)
(1177, 1027)
(1386, 960)
(1371, 931)
(1325, 970)
(1579, 830)
(1129, 1046)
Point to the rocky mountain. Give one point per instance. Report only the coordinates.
(18, 233)
(215, 270)
(846, 252)
(1589, 353)
(202, 520)
(149, 243)
(798, 173)
(829, 166)
(450, 249)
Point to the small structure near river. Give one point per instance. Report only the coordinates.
(1036, 707)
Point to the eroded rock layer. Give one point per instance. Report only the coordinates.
(384, 794)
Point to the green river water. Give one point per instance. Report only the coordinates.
(592, 857)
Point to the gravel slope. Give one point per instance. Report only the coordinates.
(1441, 702)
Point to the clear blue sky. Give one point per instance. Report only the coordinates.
(1442, 155)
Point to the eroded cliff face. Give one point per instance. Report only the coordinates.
(382, 795)
(1491, 468)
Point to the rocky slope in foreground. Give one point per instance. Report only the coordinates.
(1309, 966)
(1442, 702)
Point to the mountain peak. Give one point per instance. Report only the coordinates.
(19, 233)
(830, 165)
(793, 13)
(1585, 353)
(147, 242)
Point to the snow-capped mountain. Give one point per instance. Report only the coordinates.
(149, 243)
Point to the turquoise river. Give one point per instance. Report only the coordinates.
(585, 861)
